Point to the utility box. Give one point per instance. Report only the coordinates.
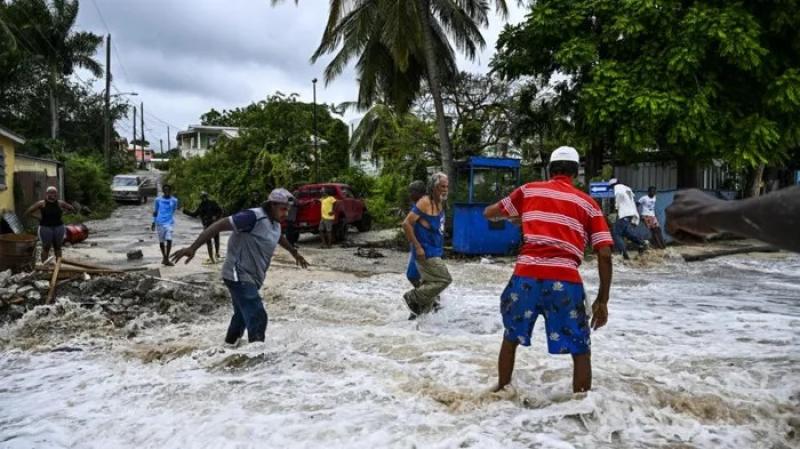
(482, 181)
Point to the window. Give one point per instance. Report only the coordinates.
(347, 193)
(3, 168)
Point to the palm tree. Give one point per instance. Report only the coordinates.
(44, 28)
(398, 43)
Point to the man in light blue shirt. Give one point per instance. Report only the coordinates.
(164, 208)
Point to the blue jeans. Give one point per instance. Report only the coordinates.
(248, 312)
(624, 228)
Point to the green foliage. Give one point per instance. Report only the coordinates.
(403, 142)
(39, 49)
(697, 79)
(275, 148)
(389, 200)
(361, 184)
(87, 182)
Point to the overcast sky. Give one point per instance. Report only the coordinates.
(184, 57)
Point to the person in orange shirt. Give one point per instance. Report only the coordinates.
(327, 217)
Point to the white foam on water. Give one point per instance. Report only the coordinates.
(699, 355)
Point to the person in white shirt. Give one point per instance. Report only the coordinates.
(627, 219)
(647, 203)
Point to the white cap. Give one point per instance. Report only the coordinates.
(565, 154)
(52, 189)
(613, 181)
(280, 195)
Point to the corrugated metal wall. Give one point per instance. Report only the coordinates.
(641, 176)
(665, 176)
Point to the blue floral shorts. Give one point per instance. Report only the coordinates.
(562, 305)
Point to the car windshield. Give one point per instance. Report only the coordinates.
(124, 182)
(309, 194)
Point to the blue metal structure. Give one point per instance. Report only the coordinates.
(472, 233)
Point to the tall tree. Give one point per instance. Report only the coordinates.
(398, 43)
(45, 30)
(698, 79)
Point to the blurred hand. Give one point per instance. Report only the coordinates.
(420, 254)
(599, 314)
(687, 215)
(301, 261)
(187, 252)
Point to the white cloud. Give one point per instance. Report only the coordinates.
(185, 57)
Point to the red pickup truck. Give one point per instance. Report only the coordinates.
(305, 215)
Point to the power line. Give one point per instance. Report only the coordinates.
(113, 43)
(161, 120)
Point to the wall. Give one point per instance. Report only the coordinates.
(664, 176)
(25, 164)
(7, 193)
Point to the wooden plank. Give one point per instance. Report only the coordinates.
(52, 293)
(84, 270)
(84, 264)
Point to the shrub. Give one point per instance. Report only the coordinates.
(87, 182)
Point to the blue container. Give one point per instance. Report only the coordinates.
(475, 235)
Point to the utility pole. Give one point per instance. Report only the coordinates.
(107, 109)
(134, 133)
(169, 139)
(316, 144)
(161, 145)
(141, 117)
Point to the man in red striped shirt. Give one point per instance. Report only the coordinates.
(557, 222)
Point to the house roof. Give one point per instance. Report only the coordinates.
(14, 137)
(230, 131)
(34, 158)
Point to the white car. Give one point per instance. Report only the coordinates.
(132, 188)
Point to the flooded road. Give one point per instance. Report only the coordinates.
(699, 355)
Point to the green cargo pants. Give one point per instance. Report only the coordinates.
(435, 278)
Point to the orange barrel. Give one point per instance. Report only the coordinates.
(16, 251)
(76, 233)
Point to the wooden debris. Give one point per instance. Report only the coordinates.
(728, 252)
(52, 293)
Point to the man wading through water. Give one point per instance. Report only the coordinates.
(164, 208)
(256, 233)
(556, 219)
(424, 229)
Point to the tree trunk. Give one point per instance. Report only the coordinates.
(432, 70)
(687, 173)
(758, 175)
(594, 162)
(53, 104)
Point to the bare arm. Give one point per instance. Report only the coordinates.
(221, 225)
(66, 205)
(495, 213)
(772, 218)
(600, 306)
(35, 206)
(408, 228)
(301, 262)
